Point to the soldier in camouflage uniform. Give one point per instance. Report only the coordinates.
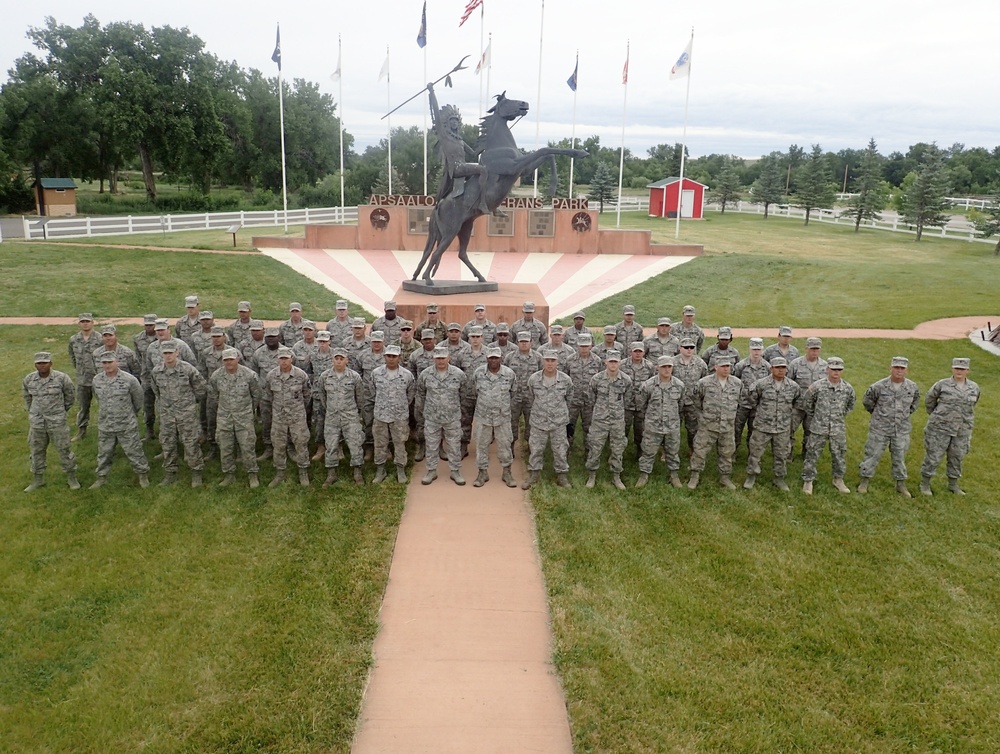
(303, 351)
(479, 320)
(264, 361)
(454, 343)
(660, 397)
(238, 333)
(828, 402)
(493, 386)
(503, 341)
(524, 362)
(419, 361)
(81, 349)
(440, 392)
(211, 360)
(367, 362)
(891, 402)
(119, 396)
(581, 368)
(154, 356)
(662, 342)
(749, 370)
(319, 362)
(722, 347)
(357, 344)
(628, 330)
(126, 356)
(341, 392)
(235, 391)
(291, 329)
(289, 392)
(687, 328)
(407, 343)
(188, 325)
(528, 323)
(774, 398)
(469, 361)
(142, 341)
(783, 347)
(179, 388)
(951, 403)
(572, 334)
(557, 343)
(609, 392)
(640, 369)
(340, 326)
(433, 323)
(549, 392)
(388, 324)
(610, 343)
(201, 339)
(689, 368)
(251, 345)
(804, 371)
(48, 394)
(716, 397)
(394, 388)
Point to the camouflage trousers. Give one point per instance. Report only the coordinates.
(212, 415)
(519, 407)
(780, 443)
(939, 446)
(601, 433)
(744, 419)
(148, 406)
(635, 422)
(875, 446)
(451, 434)
(231, 433)
(318, 423)
(38, 443)
(185, 429)
(690, 416)
(652, 441)
(468, 412)
(84, 397)
(799, 419)
(294, 432)
(339, 429)
(540, 438)
(265, 421)
(582, 413)
(723, 440)
(486, 434)
(367, 420)
(398, 432)
(814, 447)
(131, 446)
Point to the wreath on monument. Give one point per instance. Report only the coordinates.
(379, 218)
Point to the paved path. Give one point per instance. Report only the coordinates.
(463, 655)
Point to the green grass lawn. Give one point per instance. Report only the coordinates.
(172, 620)
(718, 621)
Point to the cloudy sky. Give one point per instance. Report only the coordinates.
(765, 73)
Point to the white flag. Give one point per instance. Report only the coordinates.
(335, 76)
(484, 61)
(682, 67)
(385, 68)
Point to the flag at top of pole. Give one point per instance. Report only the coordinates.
(625, 69)
(484, 61)
(385, 67)
(422, 34)
(571, 81)
(682, 67)
(469, 8)
(276, 55)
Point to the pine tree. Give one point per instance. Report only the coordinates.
(924, 202)
(871, 196)
(602, 185)
(813, 189)
(769, 188)
(727, 189)
(988, 225)
(382, 184)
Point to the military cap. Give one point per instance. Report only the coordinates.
(392, 350)
(638, 345)
(149, 319)
(629, 309)
(432, 308)
(256, 324)
(529, 306)
(440, 352)
(835, 362)
(295, 306)
(109, 330)
(427, 333)
(323, 335)
(272, 331)
(585, 339)
(814, 342)
(492, 352)
(454, 326)
(899, 361)
(689, 309)
(85, 317)
(550, 353)
(785, 330)
(43, 357)
(405, 324)
(230, 353)
(612, 356)
(725, 333)
(724, 361)
(523, 336)
(308, 324)
(243, 306)
(190, 301)
(503, 327)
(663, 321)
(389, 305)
(358, 322)
(169, 346)
(556, 330)
(687, 343)
(779, 361)
(109, 356)
(756, 343)
(579, 315)
(339, 352)
(610, 330)
(958, 363)
(377, 336)
(475, 330)
(479, 308)
(217, 331)
(161, 324)
(285, 353)
(206, 314)
(665, 361)
(341, 304)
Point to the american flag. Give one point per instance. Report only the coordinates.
(469, 8)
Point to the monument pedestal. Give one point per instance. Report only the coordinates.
(449, 287)
(504, 304)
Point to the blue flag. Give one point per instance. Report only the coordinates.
(276, 55)
(571, 81)
(422, 34)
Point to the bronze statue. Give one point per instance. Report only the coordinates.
(448, 126)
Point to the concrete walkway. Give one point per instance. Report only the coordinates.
(463, 656)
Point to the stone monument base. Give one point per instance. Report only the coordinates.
(504, 304)
(449, 287)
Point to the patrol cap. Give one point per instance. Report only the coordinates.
(206, 314)
(295, 306)
(689, 309)
(958, 363)
(579, 315)
(550, 353)
(308, 324)
(109, 330)
(392, 350)
(492, 352)
(190, 301)
(405, 325)
(814, 342)
(663, 321)
(432, 308)
(522, 336)
(339, 352)
(169, 346)
(358, 322)
(341, 304)
(779, 361)
(899, 361)
(285, 353)
(665, 361)
(230, 353)
(440, 352)
(610, 330)
(323, 335)
(638, 345)
(687, 342)
(108, 356)
(85, 317)
(475, 330)
(243, 306)
(725, 333)
(835, 362)
(756, 343)
(256, 324)
(377, 337)
(724, 361)
(149, 319)
(161, 324)
(585, 339)
(389, 306)
(43, 357)
(529, 306)
(217, 332)
(503, 327)
(272, 331)
(556, 330)
(427, 333)
(479, 308)
(612, 356)
(454, 326)
(785, 330)
(629, 309)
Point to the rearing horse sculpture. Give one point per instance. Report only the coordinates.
(454, 215)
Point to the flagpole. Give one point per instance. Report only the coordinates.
(340, 95)
(538, 98)
(489, 66)
(281, 118)
(388, 106)
(425, 126)
(572, 160)
(482, 24)
(687, 97)
(621, 157)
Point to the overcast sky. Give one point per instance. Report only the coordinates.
(765, 73)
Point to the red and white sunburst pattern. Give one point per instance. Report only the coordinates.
(568, 281)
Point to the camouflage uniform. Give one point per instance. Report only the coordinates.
(142, 342)
(563, 351)
(494, 395)
(419, 361)
(342, 396)
(201, 341)
(235, 397)
(120, 399)
(291, 332)
(289, 393)
(238, 333)
(407, 349)
(178, 390)
(81, 354)
(602, 349)
(264, 361)
(571, 335)
(717, 404)
(661, 401)
(47, 400)
(692, 331)
(469, 361)
(211, 360)
(948, 432)
(712, 354)
(549, 415)
(805, 373)
(749, 373)
(891, 407)
(524, 365)
(394, 392)
(689, 374)
(827, 406)
(774, 402)
(367, 362)
(440, 329)
(581, 371)
(657, 347)
(489, 330)
(126, 359)
(319, 362)
(186, 327)
(626, 334)
(355, 348)
(608, 397)
(154, 356)
(774, 349)
(340, 330)
(248, 349)
(302, 355)
(508, 347)
(455, 350)
(634, 417)
(439, 398)
(389, 328)
(539, 333)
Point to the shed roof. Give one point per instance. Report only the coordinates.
(57, 183)
(672, 179)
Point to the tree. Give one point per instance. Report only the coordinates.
(602, 185)
(727, 187)
(769, 188)
(382, 184)
(988, 224)
(871, 194)
(924, 202)
(813, 187)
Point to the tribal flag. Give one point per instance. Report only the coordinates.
(682, 67)
(470, 6)
(571, 81)
(422, 34)
(276, 55)
(484, 61)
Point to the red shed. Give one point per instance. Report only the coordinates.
(663, 198)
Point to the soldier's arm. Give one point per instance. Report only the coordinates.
(852, 399)
(256, 392)
(916, 399)
(931, 400)
(421, 396)
(199, 385)
(360, 394)
(411, 390)
(26, 394)
(306, 390)
(69, 392)
(72, 353)
(135, 393)
(870, 398)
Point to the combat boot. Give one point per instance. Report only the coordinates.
(781, 484)
(228, 479)
(616, 480)
(144, 480)
(530, 481)
(359, 478)
(400, 473)
(925, 486)
(379, 474)
(751, 480)
(98, 483)
(953, 486)
(725, 481)
(279, 477)
(72, 481)
(807, 487)
(80, 434)
(421, 451)
(508, 478)
(457, 478)
(267, 454)
(304, 477)
(641, 481)
(37, 483)
(900, 488)
(839, 485)
(169, 479)
(482, 478)
(331, 477)
(591, 480)
(863, 485)
(430, 476)
(675, 480)
(196, 480)
(693, 481)
(563, 481)
(254, 481)
(320, 453)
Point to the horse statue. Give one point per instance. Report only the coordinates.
(455, 214)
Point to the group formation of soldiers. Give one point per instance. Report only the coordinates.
(380, 387)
